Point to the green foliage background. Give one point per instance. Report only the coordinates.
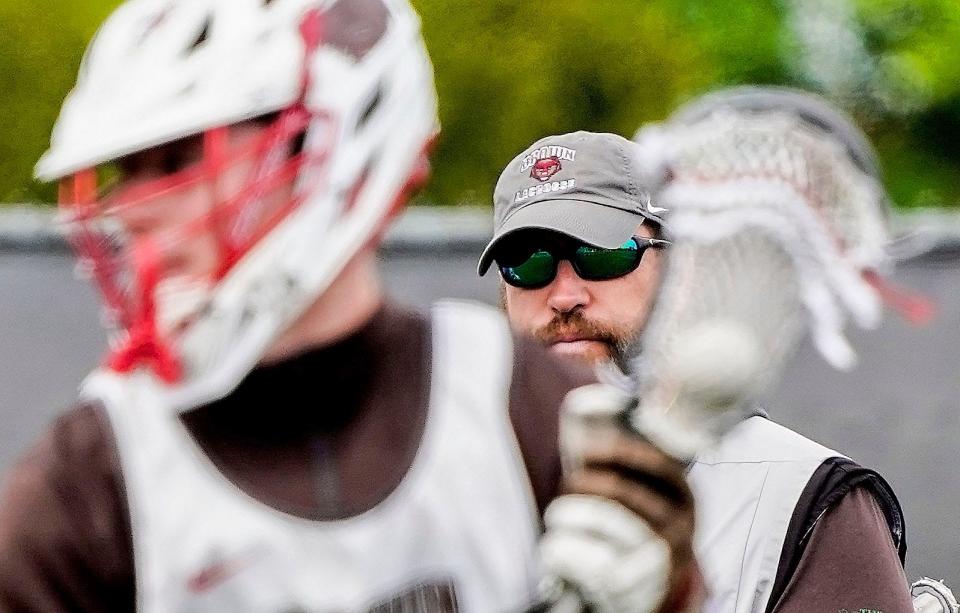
(509, 72)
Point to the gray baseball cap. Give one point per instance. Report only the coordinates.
(584, 184)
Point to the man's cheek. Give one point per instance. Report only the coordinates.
(631, 323)
(521, 311)
(600, 352)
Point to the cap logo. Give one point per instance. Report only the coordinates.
(558, 154)
(542, 164)
(547, 188)
(544, 169)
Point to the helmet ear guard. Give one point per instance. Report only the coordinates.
(349, 148)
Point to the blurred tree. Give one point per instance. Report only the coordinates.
(510, 72)
(894, 64)
(41, 42)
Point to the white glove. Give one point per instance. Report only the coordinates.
(931, 596)
(607, 554)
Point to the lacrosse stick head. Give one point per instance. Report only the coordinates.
(778, 220)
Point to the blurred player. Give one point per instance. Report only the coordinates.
(270, 434)
(578, 245)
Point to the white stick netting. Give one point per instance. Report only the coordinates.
(773, 227)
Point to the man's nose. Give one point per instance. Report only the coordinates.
(568, 291)
(138, 209)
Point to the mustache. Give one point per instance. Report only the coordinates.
(574, 323)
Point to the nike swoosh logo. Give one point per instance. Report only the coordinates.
(648, 204)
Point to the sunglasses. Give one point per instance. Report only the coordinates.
(536, 267)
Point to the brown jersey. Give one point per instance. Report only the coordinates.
(325, 435)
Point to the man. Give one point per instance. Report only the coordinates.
(784, 524)
(546, 296)
(269, 433)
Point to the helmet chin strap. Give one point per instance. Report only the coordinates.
(143, 344)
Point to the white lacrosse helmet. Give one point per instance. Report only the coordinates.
(346, 88)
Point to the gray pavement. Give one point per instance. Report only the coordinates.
(898, 412)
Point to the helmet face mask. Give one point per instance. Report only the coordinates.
(270, 191)
(157, 246)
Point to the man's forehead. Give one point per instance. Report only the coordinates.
(193, 144)
(540, 235)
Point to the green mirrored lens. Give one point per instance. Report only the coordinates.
(595, 264)
(538, 269)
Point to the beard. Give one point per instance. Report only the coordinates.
(613, 340)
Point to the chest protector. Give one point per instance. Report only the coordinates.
(458, 533)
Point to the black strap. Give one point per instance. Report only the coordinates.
(833, 480)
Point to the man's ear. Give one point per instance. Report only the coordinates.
(652, 227)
